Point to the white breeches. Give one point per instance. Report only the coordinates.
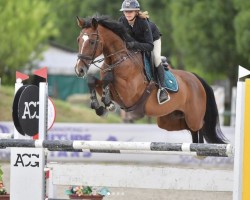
(157, 52)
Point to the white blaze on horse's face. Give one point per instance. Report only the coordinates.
(84, 70)
(85, 37)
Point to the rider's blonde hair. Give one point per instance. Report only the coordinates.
(144, 14)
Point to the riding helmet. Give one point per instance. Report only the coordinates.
(128, 5)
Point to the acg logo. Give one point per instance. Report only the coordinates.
(28, 108)
(27, 160)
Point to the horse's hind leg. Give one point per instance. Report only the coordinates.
(94, 104)
(197, 137)
(176, 121)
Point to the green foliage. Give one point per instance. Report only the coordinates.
(241, 4)
(204, 32)
(206, 36)
(1, 174)
(66, 12)
(241, 23)
(2, 188)
(25, 26)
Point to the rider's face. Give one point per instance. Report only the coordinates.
(130, 15)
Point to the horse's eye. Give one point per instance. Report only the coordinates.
(92, 42)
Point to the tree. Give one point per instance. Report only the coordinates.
(205, 35)
(25, 26)
(241, 23)
(66, 12)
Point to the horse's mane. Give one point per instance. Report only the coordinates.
(104, 20)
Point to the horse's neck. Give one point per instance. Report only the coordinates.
(129, 77)
(113, 45)
(115, 50)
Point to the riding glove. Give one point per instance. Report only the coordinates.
(130, 45)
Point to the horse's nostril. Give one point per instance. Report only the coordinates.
(81, 70)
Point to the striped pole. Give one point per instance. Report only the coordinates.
(217, 150)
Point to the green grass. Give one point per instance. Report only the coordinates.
(6, 100)
(65, 112)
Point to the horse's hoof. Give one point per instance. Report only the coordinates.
(101, 111)
(111, 107)
(105, 114)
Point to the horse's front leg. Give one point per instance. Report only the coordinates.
(106, 98)
(94, 103)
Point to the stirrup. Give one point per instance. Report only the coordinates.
(158, 95)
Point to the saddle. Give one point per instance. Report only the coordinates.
(149, 70)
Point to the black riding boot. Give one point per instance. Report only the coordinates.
(162, 94)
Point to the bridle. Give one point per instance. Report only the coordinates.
(92, 60)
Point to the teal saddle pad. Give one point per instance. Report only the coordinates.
(171, 82)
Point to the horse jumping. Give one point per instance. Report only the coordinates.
(193, 107)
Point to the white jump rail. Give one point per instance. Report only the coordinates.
(217, 150)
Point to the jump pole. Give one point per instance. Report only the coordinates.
(216, 150)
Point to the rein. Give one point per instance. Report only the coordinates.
(112, 66)
(109, 67)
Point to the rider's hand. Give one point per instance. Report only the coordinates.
(130, 45)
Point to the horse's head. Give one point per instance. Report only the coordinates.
(90, 45)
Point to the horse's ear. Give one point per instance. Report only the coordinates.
(94, 23)
(80, 22)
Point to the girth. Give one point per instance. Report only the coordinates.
(138, 108)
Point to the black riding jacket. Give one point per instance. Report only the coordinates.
(155, 31)
(140, 32)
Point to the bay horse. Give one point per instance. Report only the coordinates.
(193, 107)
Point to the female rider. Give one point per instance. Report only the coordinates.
(145, 37)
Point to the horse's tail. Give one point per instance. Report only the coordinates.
(211, 130)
